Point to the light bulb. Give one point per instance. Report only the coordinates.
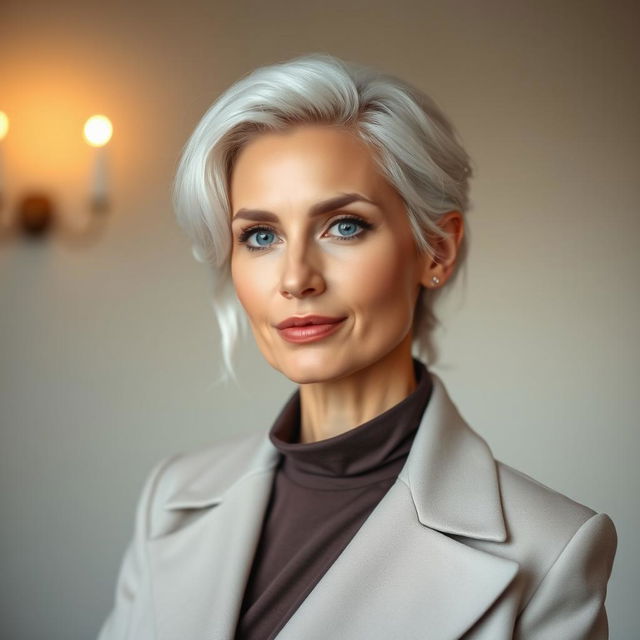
(98, 130)
(4, 124)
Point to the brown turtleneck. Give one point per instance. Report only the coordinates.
(322, 493)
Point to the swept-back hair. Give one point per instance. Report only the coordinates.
(415, 145)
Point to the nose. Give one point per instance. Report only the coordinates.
(301, 273)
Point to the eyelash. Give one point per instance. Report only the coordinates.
(248, 232)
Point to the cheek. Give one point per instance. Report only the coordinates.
(385, 281)
(253, 284)
(247, 287)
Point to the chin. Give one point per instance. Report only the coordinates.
(309, 366)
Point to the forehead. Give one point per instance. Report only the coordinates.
(304, 162)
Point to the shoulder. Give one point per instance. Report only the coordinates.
(529, 505)
(547, 530)
(198, 478)
(565, 551)
(223, 456)
(540, 520)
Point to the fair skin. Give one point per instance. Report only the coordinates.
(354, 261)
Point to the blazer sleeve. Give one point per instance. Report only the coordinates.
(131, 615)
(569, 603)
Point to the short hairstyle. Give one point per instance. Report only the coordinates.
(417, 150)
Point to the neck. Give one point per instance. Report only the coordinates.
(328, 409)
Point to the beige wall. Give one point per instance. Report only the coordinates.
(107, 352)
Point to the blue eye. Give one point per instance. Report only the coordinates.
(257, 238)
(348, 228)
(263, 238)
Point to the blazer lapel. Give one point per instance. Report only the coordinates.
(399, 579)
(199, 572)
(402, 575)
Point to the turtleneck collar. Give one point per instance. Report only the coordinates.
(360, 456)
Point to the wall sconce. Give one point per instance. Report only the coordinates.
(35, 214)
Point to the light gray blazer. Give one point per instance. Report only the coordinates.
(460, 546)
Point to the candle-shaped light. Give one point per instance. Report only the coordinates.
(97, 132)
(4, 128)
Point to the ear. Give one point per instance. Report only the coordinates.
(439, 266)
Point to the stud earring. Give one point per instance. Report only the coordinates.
(435, 279)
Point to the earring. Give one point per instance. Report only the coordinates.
(435, 279)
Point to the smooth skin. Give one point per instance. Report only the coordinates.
(357, 260)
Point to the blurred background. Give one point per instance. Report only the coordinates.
(108, 349)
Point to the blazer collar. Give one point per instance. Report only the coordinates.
(450, 471)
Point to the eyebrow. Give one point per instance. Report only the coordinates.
(317, 209)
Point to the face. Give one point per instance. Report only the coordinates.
(321, 240)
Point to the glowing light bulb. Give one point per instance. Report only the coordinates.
(4, 124)
(98, 130)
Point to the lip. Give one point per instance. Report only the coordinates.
(301, 321)
(302, 329)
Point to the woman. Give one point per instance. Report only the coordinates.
(330, 199)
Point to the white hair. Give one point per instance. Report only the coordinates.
(417, 151)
